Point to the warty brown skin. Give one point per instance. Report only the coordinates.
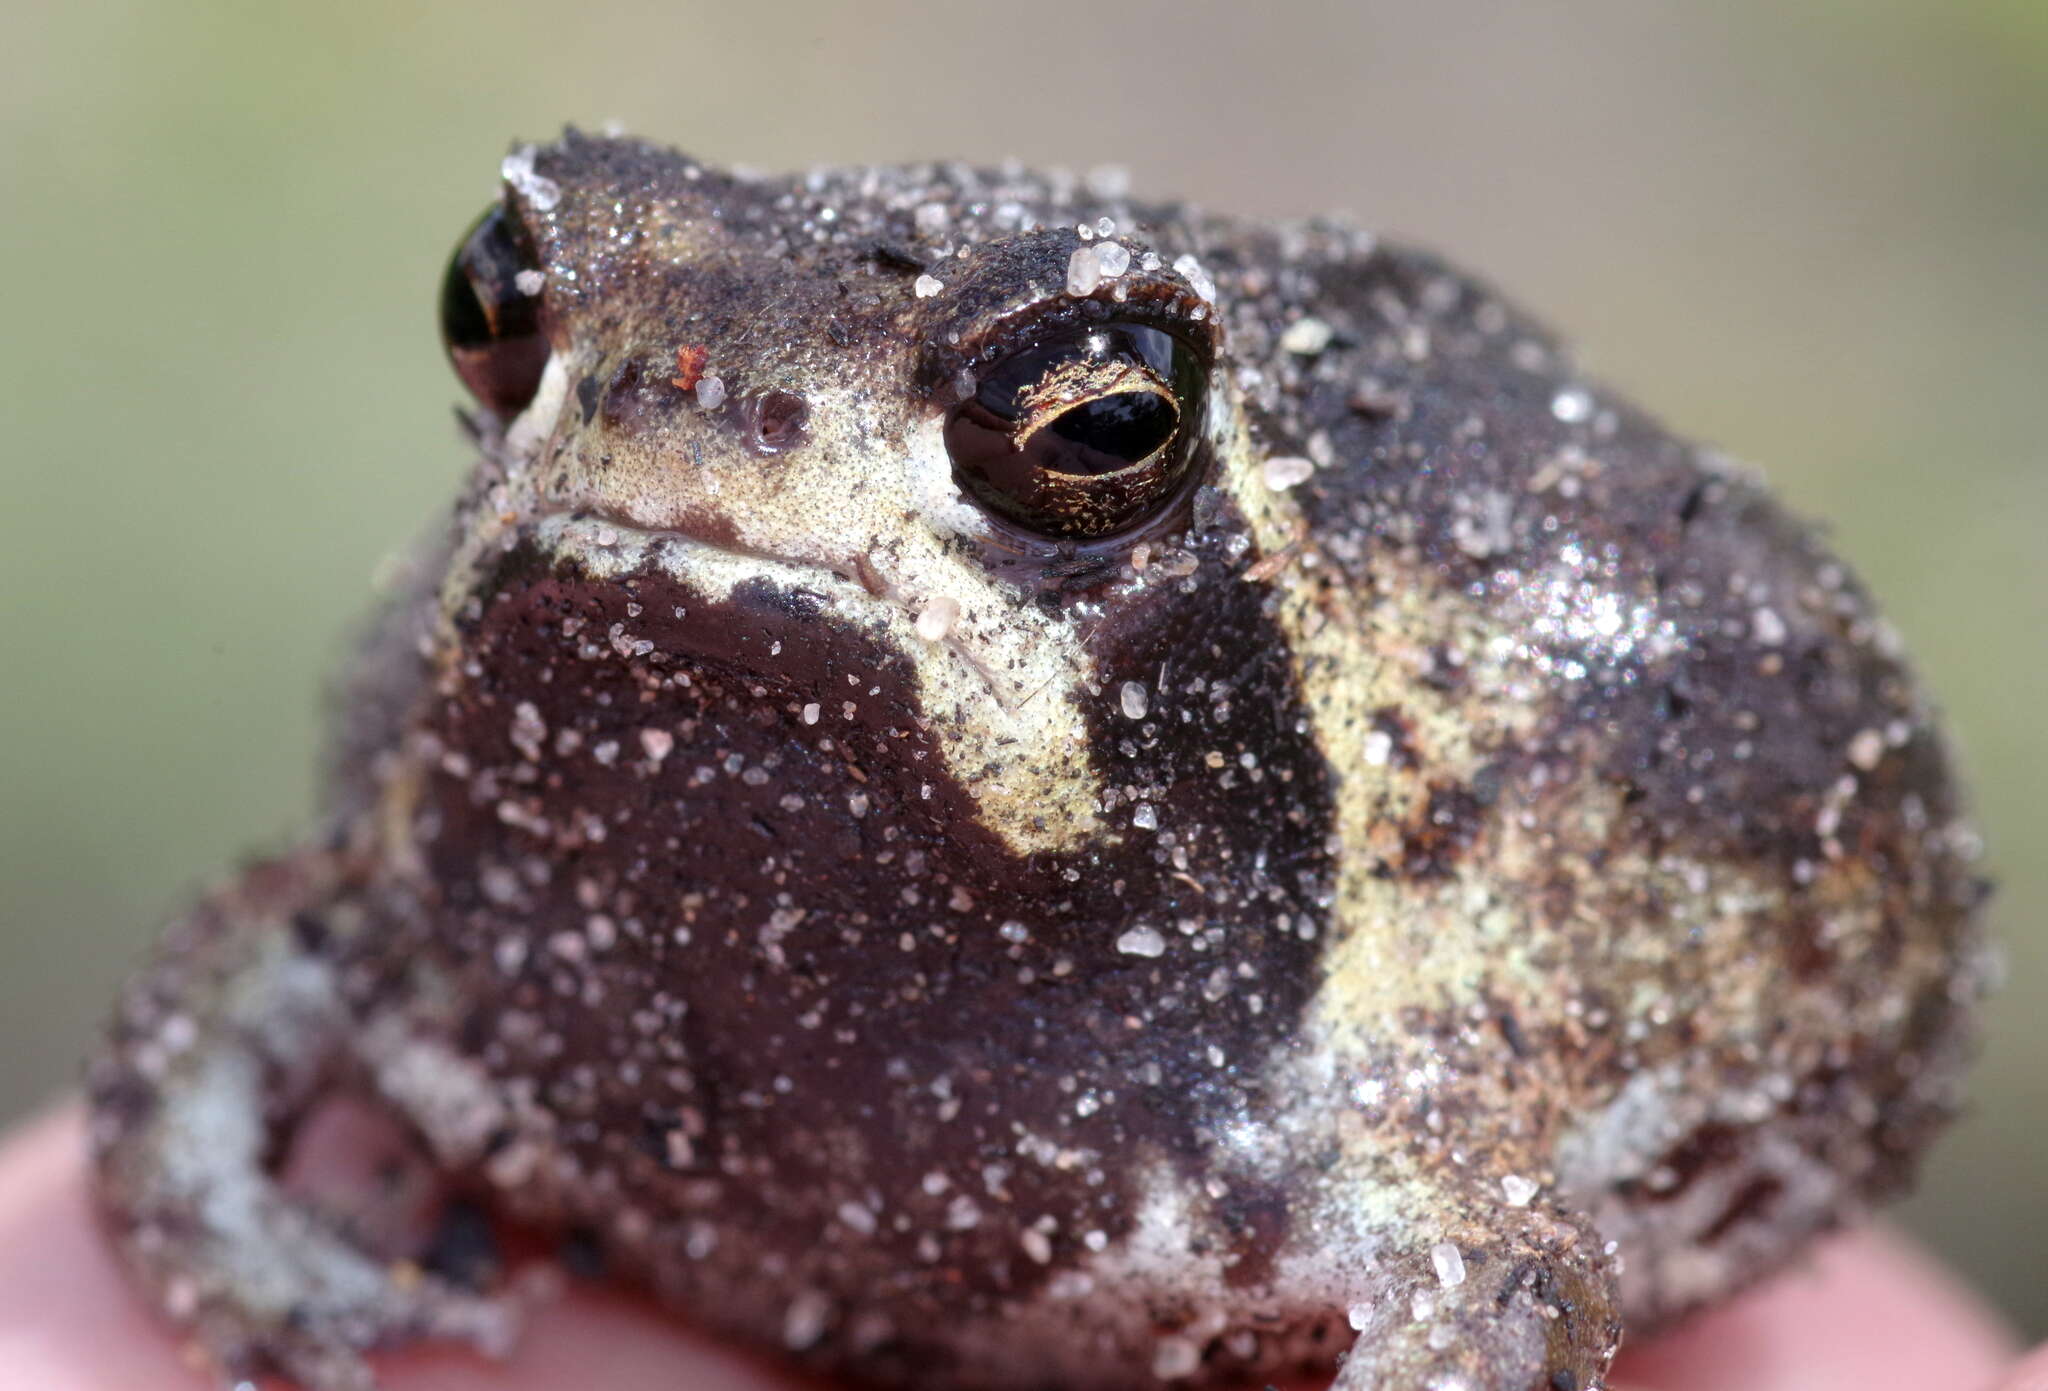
(1465, 875)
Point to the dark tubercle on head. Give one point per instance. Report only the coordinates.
(731, 825)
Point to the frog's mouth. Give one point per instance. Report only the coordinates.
(857, 591)
(1001, 690)
(860, 591)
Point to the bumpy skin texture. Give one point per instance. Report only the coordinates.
(1497, 888)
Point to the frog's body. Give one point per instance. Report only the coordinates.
(1461, 866)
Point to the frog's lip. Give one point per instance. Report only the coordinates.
(591, 526)
(857, 583)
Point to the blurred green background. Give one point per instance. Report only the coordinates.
(1815, 234)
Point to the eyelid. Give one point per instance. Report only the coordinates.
(995, 306)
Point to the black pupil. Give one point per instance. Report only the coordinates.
(463, 321)
(1123, 428)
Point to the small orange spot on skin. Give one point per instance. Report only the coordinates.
(690, 361)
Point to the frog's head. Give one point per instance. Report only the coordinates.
(995, 457)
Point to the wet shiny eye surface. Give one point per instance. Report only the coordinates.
(1084, 434)
(489, 324)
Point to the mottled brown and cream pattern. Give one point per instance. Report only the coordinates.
(1430, 871)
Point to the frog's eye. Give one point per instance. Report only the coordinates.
(1081, 435)
(490, 324)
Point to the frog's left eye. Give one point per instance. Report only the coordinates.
(1084, 434)
(490, 323)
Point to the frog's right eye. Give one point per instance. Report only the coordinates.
(490, 315)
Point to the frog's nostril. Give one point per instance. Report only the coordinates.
(637, 399)
(778, 419)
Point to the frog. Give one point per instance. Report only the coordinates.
(995, 785)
